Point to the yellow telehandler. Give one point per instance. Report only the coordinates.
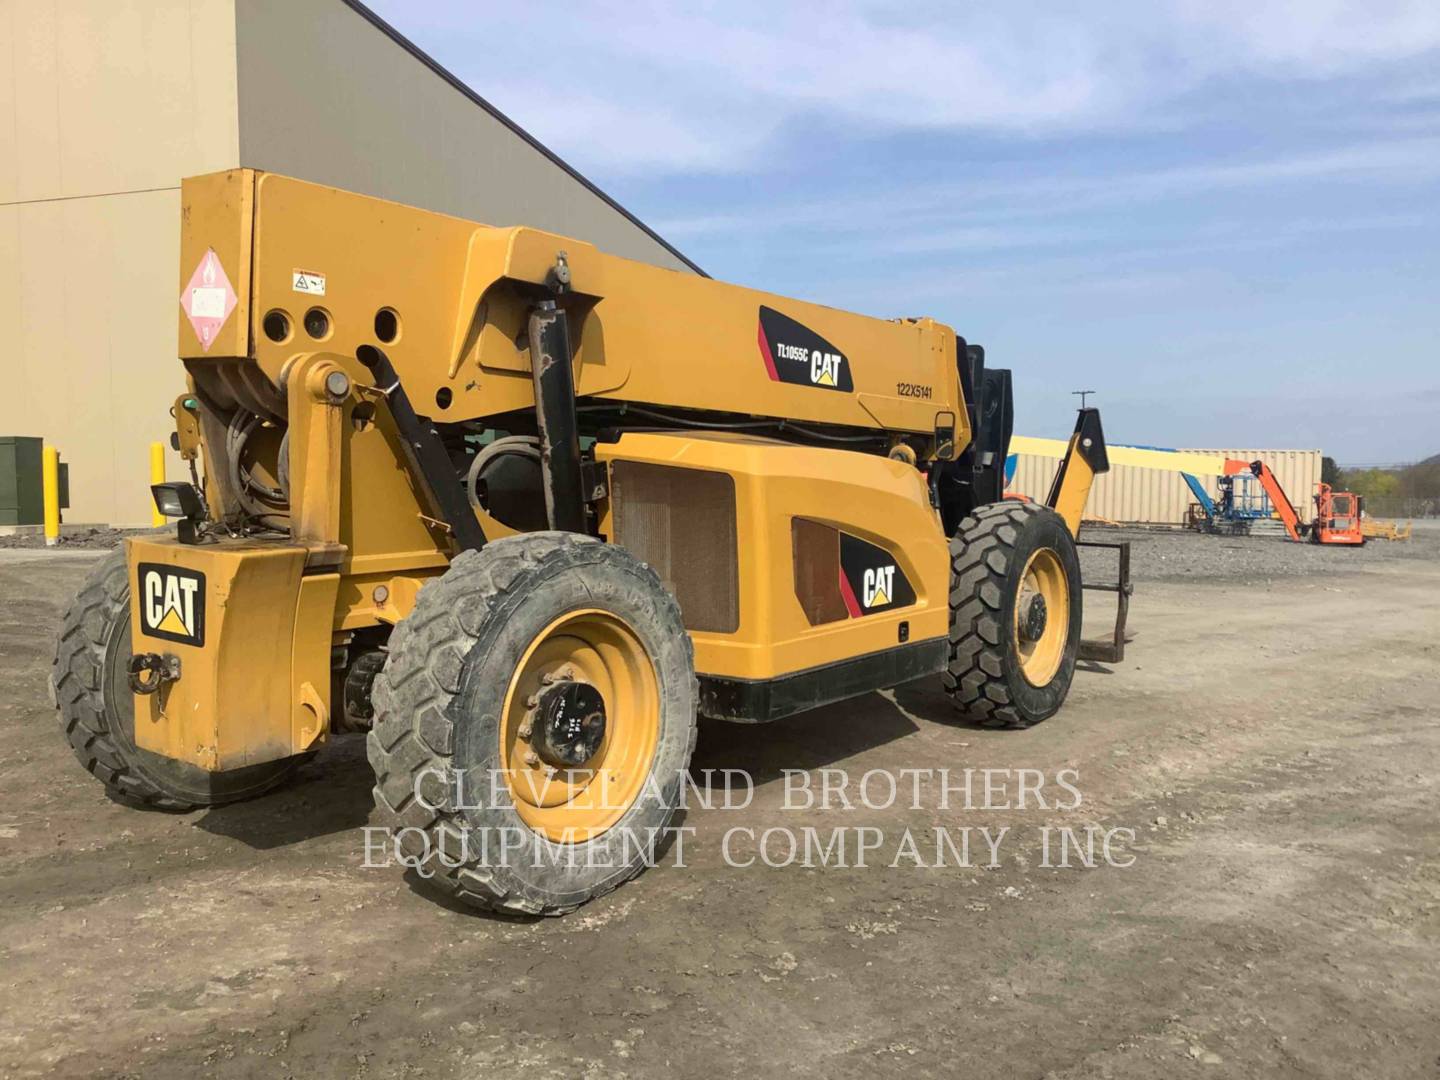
(520, 510)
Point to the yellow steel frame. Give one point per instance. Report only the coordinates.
(460, 294)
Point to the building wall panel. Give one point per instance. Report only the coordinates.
(106, 104)
(91, 368)
(325, 95)
(114, 96)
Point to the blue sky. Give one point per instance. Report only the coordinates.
(1222, 216)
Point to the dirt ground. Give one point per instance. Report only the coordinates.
(1273, 745)
(96, 537)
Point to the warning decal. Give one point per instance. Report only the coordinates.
(208, 299)
(307, 281)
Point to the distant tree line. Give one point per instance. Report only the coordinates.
(1411, 491)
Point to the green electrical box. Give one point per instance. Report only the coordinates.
(22, 498)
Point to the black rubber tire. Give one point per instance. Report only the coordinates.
(438, 704)
(89, 687)
(988, 553)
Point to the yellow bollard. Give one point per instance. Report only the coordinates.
(50, 485)
(157, 476)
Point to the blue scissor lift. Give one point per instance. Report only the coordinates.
(1240, 504)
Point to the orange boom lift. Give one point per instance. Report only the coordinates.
(1337, 513)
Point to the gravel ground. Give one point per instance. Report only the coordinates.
(1181, 555)
(1280, 917)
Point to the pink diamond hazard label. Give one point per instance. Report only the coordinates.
(208, 300)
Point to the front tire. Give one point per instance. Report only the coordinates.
(97, 710)
(1011, 661)
(493, 813)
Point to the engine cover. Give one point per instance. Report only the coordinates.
(785, 559)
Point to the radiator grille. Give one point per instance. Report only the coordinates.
(682, 522)
(817, 571)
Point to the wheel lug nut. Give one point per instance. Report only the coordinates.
(532, 759)
(523, 731)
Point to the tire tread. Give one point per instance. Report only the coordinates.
(76, 679)
(420, 679)
(981, 553)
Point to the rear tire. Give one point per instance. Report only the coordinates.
(999, 675)
(90, 688)
(457, 696)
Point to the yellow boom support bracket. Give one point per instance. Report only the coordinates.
(1085, 458)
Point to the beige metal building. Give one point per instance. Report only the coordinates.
(105, 106)
(1154, 497)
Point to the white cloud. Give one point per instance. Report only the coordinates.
(620, 136)
(964, 214)
(714, 86)
(1313, 38)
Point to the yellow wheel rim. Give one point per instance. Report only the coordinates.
(1040, 653)
(577, 803)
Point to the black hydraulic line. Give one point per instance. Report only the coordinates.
(627, 408)
(811, 433)
(554, 379)
(778, 426)
(429, 462)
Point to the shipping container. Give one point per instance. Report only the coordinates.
(1131, 495)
